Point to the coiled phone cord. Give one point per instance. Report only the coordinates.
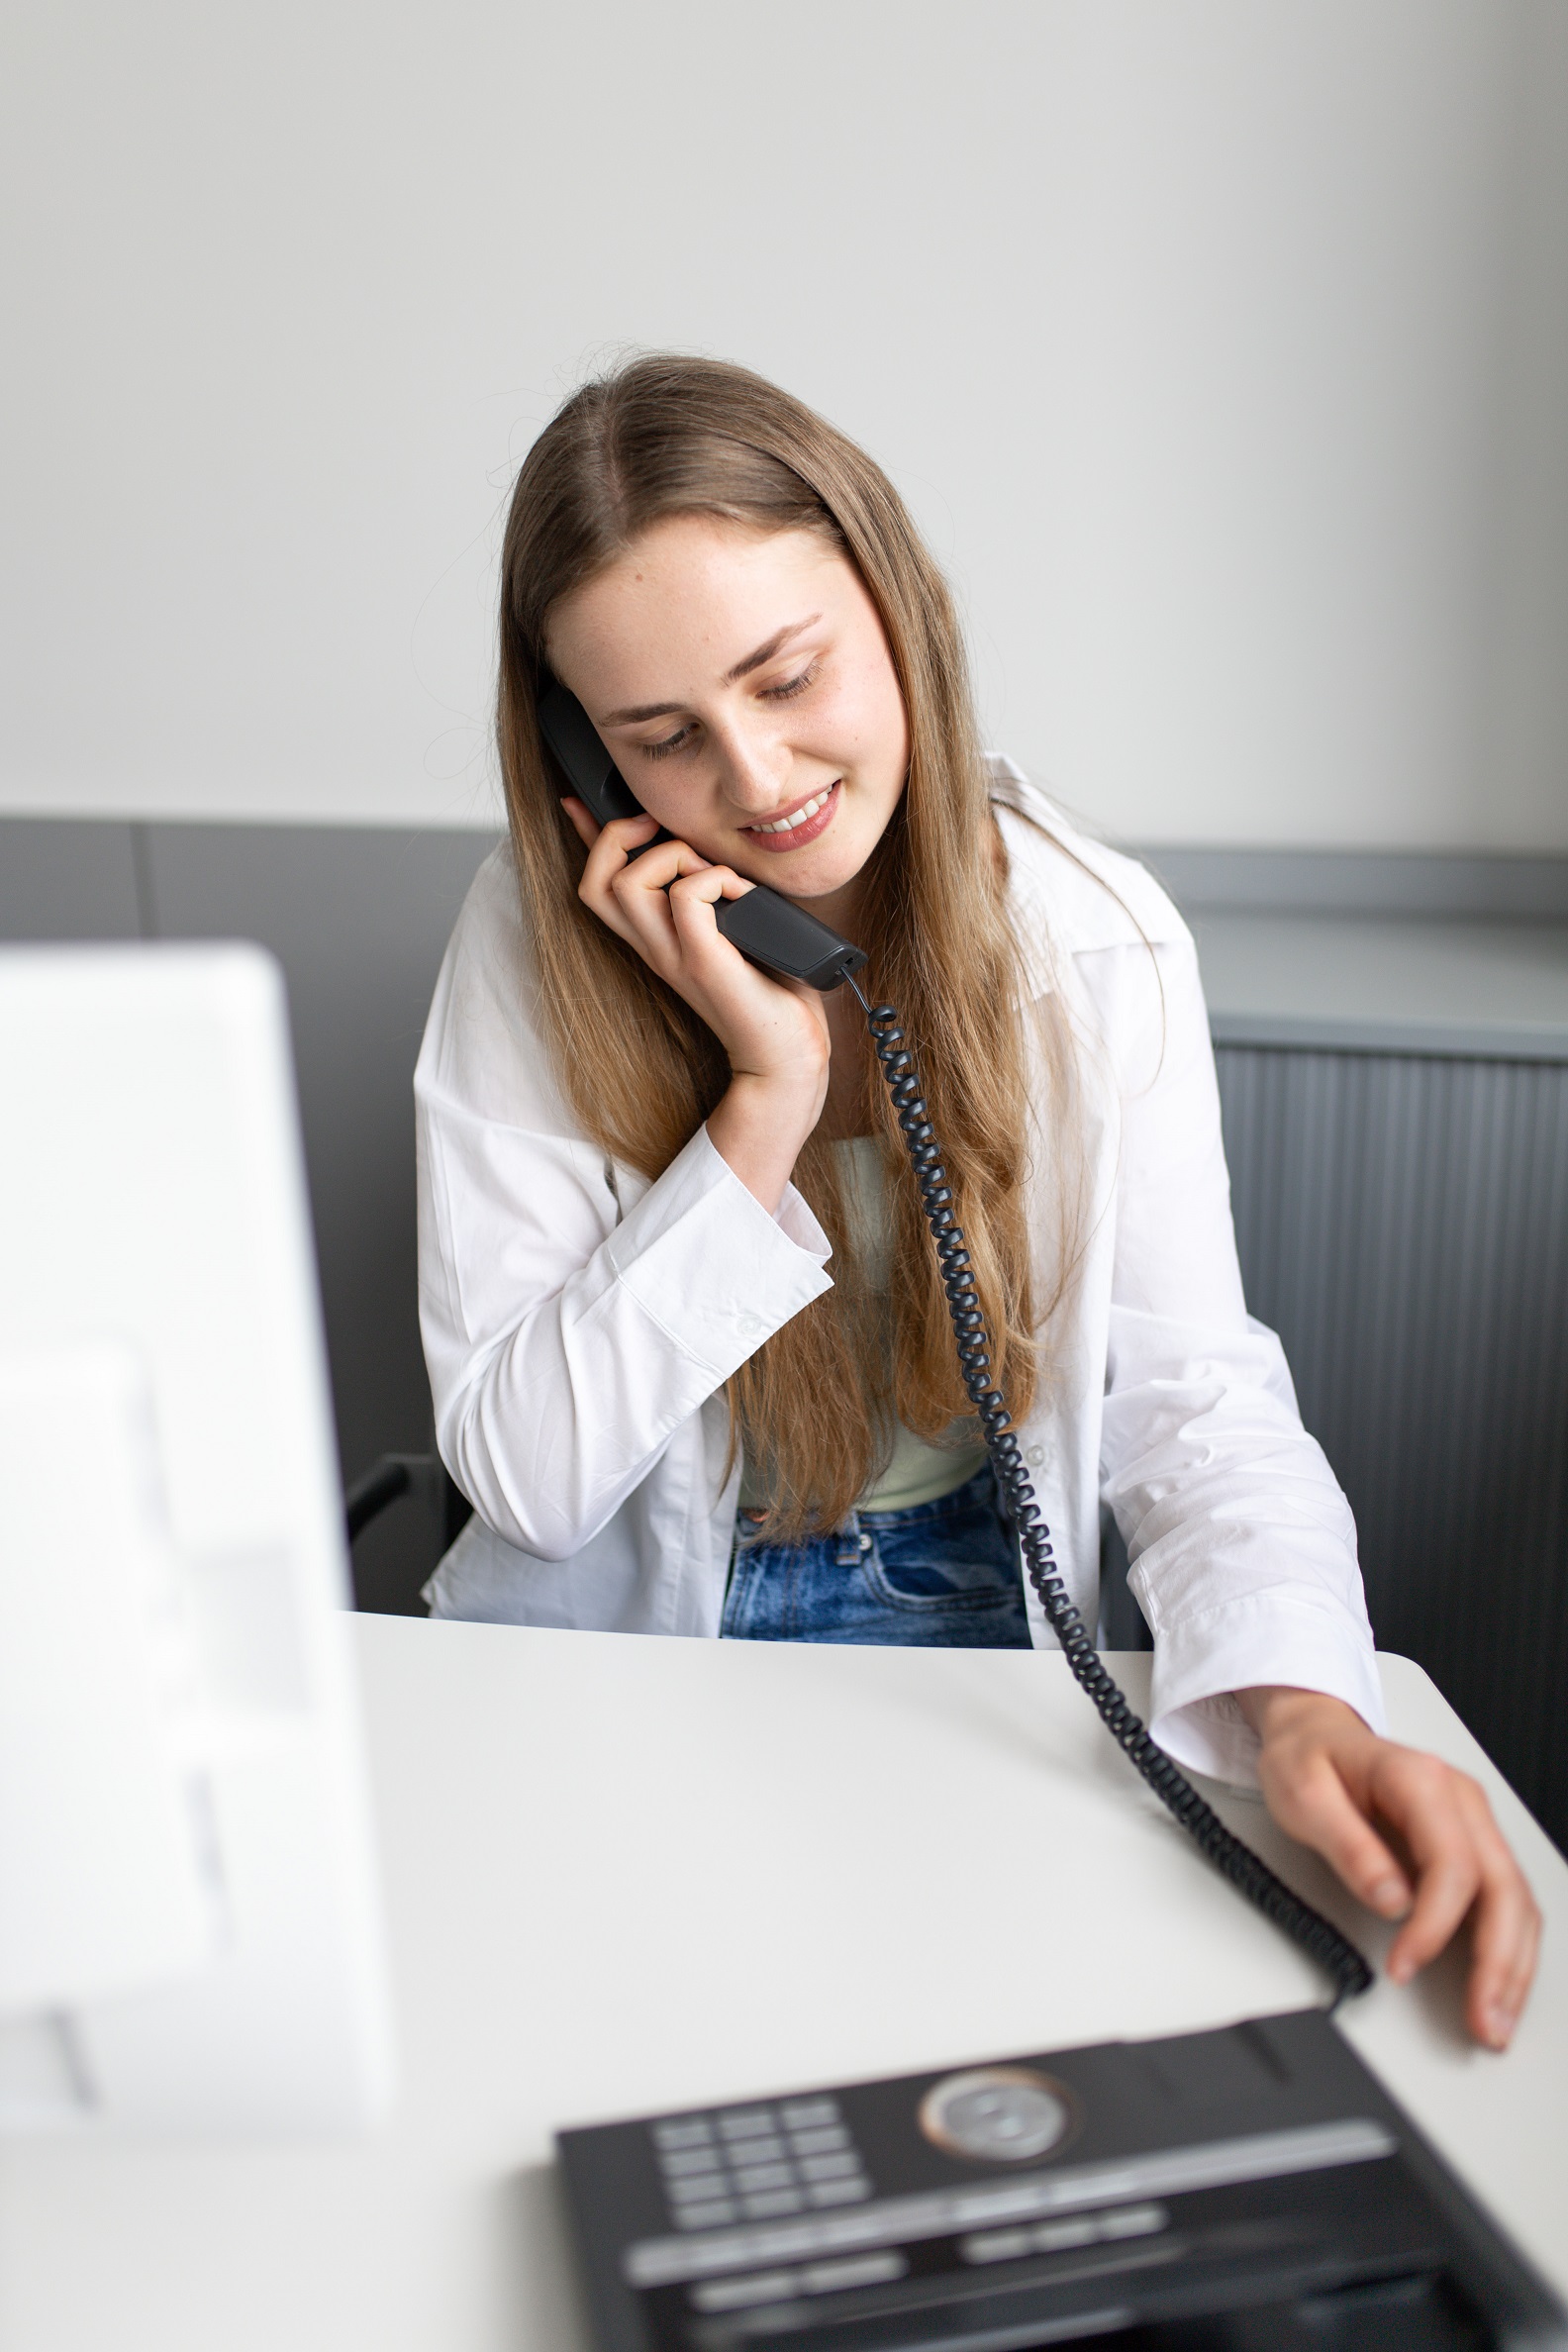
(1246, 1871)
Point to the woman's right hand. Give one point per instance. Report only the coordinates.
(774, 1032)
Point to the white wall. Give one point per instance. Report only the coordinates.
(1221, 346)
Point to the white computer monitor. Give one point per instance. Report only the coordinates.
(189, 1923)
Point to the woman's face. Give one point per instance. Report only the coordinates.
(743, 685)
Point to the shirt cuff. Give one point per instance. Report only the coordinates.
(1202, 1662)
(709, 1266)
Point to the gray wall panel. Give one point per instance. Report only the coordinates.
(1403, 1224)
(1384, 882)
(66, 880)
(358, 920)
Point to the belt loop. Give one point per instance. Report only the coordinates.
(849, 1544)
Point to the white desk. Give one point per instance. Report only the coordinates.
(625, 1874)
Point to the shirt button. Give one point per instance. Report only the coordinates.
(749, 1326)
(1035, 1457)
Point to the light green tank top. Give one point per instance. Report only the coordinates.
(916, 1472)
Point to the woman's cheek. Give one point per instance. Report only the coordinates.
(841, 732)
(873, 728)
(679, 810)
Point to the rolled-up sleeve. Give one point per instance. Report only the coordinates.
(568, 1328)
(1241, 1542)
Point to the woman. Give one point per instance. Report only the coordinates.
(639, 1155)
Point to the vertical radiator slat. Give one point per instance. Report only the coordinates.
(1403, 1224)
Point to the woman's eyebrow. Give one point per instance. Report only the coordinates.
(775, 645)
(780, 639)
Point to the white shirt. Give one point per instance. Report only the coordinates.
(580, 1322)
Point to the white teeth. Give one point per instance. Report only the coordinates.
(788, 824)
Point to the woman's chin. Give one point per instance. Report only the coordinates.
(806, 877)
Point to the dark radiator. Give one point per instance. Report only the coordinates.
(1403, 1224)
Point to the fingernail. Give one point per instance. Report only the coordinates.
(1399, 1971)
(1388, 1896)
(1499, 2027)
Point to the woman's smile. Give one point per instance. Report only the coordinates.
(800, 825)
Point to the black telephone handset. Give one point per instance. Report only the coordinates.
(779, 936)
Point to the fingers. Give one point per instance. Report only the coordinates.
(581, 819)
(1507, 1947)
(1464, 1868)
(1314, 1806)
(626, 890)
(1417, 1794)
(666, 897)
(704, 889)
(711, 960)
(612, 849)
(1331, 1783)
(660, 895)
(608, 848)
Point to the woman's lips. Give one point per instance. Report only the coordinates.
(824, 807)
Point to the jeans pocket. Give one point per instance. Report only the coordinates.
(951, 1554)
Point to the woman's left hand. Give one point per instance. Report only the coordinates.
(1334, 1784)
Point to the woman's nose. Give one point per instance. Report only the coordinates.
(755, 770)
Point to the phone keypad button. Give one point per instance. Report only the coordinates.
(707, 2217)
(682, 2135)
(751, 2177)
(679, 2162)
(746, 2123)
(684, 2190)
(758, 2162)
(775, 2202)
(837, 2193)
(802, 2114)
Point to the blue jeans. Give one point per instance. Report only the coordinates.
(943, 1575)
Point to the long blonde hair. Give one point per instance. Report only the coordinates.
(667, 436)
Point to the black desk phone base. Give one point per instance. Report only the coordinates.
(1250, 2190)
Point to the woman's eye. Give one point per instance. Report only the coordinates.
(683, 737)
(792, 686)
(674, 743)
